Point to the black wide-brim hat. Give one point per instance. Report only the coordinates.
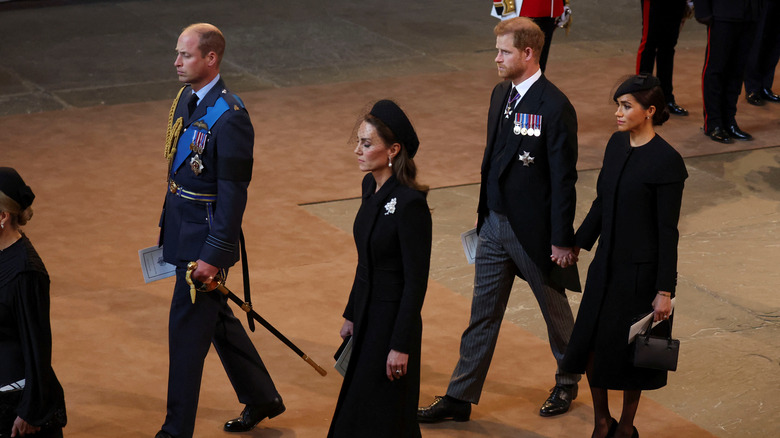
(12, 184)
(393, 116)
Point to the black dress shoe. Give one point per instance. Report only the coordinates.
(738, 134)
(767, 94)
(163, 434)
(719, 134)
(559, 400)
(444, 408)
(754, 98)
(253, 414)
(676, 109)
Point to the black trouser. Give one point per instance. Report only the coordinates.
(728, 44)
(192, 329)
(661, 21)
(765, 53)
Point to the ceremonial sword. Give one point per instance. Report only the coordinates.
(246, 307)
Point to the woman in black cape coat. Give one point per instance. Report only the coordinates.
(32, 403)
(392, 232)
(634, 270)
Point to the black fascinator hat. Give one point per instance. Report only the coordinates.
(14, 187)
(636, 83)
(393, 116)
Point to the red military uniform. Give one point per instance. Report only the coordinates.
(542, 12)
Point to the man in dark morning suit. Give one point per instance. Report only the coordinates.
(526, 209)
(210, 169)
(730, 29)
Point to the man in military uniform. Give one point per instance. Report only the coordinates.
(661, 23)
(730, 29)
(764, 55)
(209, 150)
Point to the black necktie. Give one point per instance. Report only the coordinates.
(192, 104)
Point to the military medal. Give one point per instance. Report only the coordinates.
(526, 126)
(521, 124)
(200, 135)
(196, 164)
(526, 158)
(510, 106)
(537, 125)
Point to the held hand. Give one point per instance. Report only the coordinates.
(564, 256)
(396, 365)
(662, 306)
(205, 273)
(22, 428)
(346, 329)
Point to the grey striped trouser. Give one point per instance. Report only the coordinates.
(499, 255)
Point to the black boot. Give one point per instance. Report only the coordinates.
(676, 109)
(719, 134)
(738, 134)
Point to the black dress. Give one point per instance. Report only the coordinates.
(635, 213)
(393, 237)
(25, 344)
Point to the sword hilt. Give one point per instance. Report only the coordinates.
(191, 267)
(204, 287)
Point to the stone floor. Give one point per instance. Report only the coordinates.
(85, 87)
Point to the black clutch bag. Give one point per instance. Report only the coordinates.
(656, 352)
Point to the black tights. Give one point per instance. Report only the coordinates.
(602, 417)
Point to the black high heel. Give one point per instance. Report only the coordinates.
(611, 430)
(635, 434)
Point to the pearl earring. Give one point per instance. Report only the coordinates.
(389, 162)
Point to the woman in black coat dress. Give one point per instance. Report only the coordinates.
(392, 232)
(634, 270)
(31, 398)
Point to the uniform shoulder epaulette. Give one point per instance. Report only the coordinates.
(233, 100)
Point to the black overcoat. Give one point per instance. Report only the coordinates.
(393, 237)
(634, 216)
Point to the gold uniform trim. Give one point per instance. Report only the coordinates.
(173, 132)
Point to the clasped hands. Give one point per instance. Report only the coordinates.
(565, 256)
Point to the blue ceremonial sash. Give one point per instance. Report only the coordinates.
(213, 113)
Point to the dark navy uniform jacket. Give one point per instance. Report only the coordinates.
(189, 231)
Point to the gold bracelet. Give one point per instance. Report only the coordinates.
(664, 294)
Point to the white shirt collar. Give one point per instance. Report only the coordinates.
(205, 90)
(522, 87)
